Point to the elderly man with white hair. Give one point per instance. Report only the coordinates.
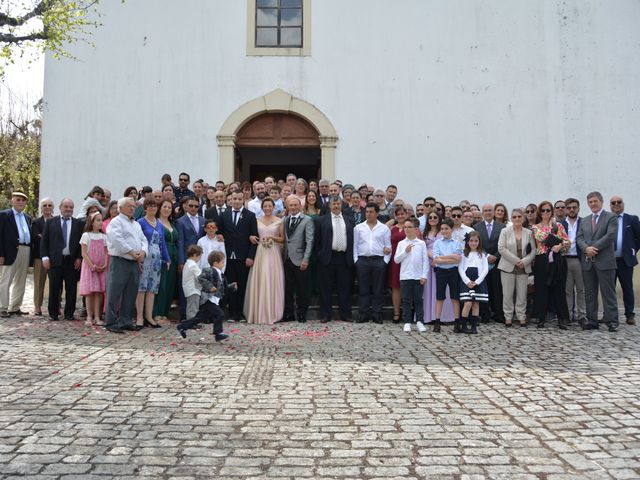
(127, 247)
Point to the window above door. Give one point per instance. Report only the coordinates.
(278, 27)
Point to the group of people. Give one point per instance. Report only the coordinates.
(272, 244)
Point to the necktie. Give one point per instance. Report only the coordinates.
(594, 223)
(194, 222)
(337, 235)
(489, 229)
(293, 223)
(65, 235)
(220, 211)
(235, 216)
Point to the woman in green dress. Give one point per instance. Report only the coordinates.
(312, 209)
(167, 290)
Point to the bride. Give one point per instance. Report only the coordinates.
(264, 300)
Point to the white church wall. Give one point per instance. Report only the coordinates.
(492, 101)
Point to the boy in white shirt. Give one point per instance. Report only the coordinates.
(411, 254)
(190, 284)
(209, 243)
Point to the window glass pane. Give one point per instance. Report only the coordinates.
(267, 17)
(291, 3)
(291, 37)
(267, 3)
(267, 37)
(291, 17)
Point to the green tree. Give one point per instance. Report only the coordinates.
(20, 159)
(49, 24)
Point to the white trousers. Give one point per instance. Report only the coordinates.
(16, 275)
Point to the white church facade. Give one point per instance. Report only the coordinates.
(512, 101)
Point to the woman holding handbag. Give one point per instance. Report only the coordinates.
(550, 269)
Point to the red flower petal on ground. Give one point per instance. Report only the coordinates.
(77, 385)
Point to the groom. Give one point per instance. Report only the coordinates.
(298, 231)
(238, 225)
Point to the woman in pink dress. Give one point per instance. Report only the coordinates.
(264, 300)
(93, 273)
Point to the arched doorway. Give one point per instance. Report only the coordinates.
(276, 131)
(275, 144)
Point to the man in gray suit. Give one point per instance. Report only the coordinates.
(596, 238)
(299, 233)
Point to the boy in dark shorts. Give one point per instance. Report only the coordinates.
(447, 253)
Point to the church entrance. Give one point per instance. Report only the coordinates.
(275, 144)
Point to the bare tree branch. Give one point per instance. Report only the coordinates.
(38, 10)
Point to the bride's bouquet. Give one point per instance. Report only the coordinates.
(266, 242)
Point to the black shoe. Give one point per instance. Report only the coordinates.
(540, 324)
(37, 314)
(131, 328)
(54, 318)
(345, 318)
(362, 319)
(612, 328)
(181, 331)
(456, 326)
(436, 326)
(474, 326)
(463, 325)
(325, 320)
(288, 318)
(486, 320)
(147, 323)
(396, 319)
(590, 326)
(302, 320)
(4, 314)
(66, 317)
(378, 321)
(221, 336)
(17, 313)
(114, 329)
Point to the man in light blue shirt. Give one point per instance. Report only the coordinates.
(15, 251)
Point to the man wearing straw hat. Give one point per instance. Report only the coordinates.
(15, 253)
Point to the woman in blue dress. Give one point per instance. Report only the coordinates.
(157, 259)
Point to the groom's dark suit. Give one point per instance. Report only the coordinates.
(238, 248)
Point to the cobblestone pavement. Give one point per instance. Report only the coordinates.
(317, 401)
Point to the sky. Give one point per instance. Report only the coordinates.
(22, 85)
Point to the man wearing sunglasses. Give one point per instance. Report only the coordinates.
(627, 244)
(190, 229)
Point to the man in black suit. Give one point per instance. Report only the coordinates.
(627, 244)
(334, 247)
(218, 208)
(334, 191)
(15, 250)
(239, 228)
(62, 257)
(489, 231)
